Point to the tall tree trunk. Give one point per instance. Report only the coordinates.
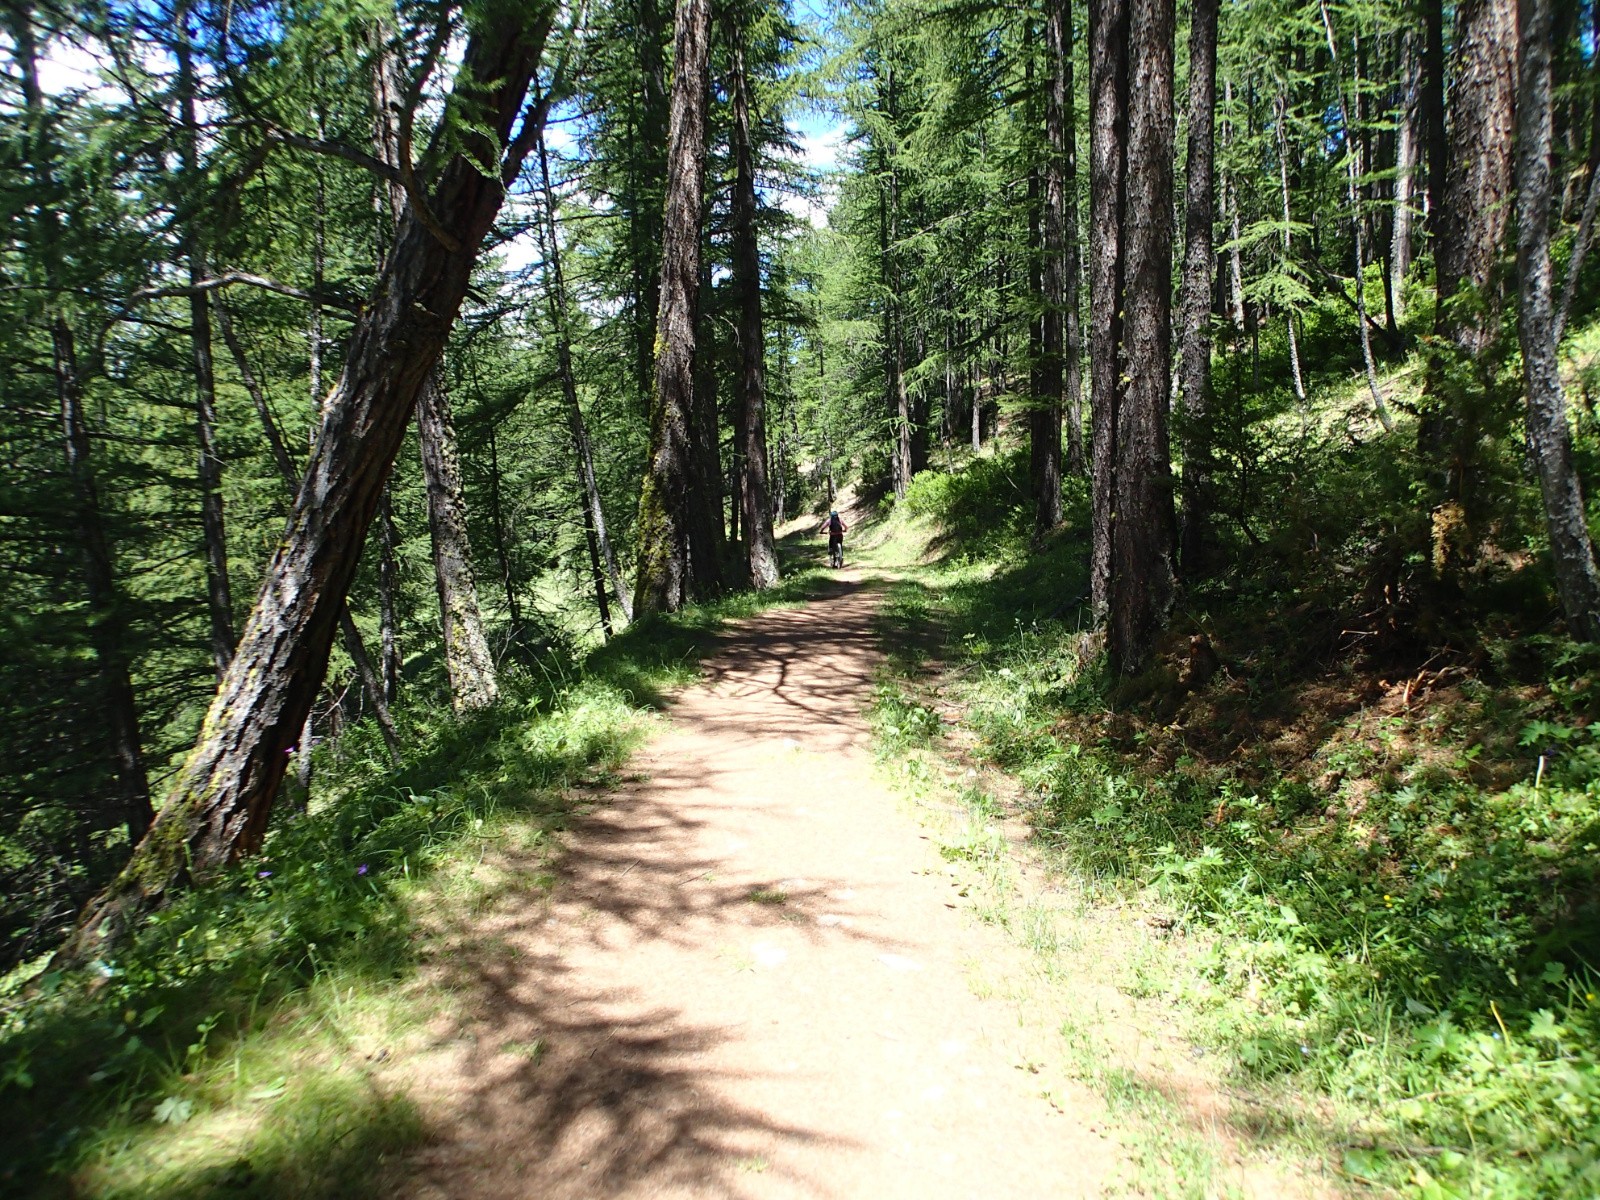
(648, 188)
(388, 588)
(1230, 209)
(467, 661)
(1405, 166)
(1353, 195)
(1132, 577)
(1476, 210)
(594, 517)
(1282, 108)
(107, 629)
(1108, 130)
(219, 598)
(219, 806)
(1571, 549)
(1435, 125)
(1048, 406)
(354, 646)
(664, 584)
(1146, 534)
(1194, 291)
(1072, 338)
(502, 549)
(761, 552)
(469, 665)
(707, 513)
(1470, 233)
(108, 634)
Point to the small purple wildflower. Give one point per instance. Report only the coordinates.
(263, 874)
(362, 869)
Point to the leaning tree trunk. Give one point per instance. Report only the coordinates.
(218, 809)
(469, 665)
(761, 552)
(1287, 242)
(219, 598)
(467, 661)
(107, 629)
(1571, 549)
(353, 644)
(1194, 291)
(663, 584)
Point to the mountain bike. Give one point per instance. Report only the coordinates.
(836, 554)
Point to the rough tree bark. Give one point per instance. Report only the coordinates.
(1131, 63)
(1108, 66)
(1194, 290)
(1469, 238)
(354, 646)
(1476, 208)
(1571, 549)
(107, 629)
(664, 583)
(469, 665)
(761, 553)
(219, 806)
(1434, 124)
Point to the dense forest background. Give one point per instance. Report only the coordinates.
(1249, 349)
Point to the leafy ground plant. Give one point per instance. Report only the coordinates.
(231, 1049)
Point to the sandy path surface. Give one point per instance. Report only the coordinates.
(751, 979)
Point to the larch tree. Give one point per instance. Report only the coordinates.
(753, 496)
(107, 625)
(1470, 228)
(1131, 70)
(218, 808)
(1194, 289)
(669, 575)
(1549, 437)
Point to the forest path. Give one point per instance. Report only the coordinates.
(750, 979)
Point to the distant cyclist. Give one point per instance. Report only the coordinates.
(836, 531)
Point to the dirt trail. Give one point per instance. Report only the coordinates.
(750, 980)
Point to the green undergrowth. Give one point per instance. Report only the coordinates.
(1382, 880)
(233, 1048)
